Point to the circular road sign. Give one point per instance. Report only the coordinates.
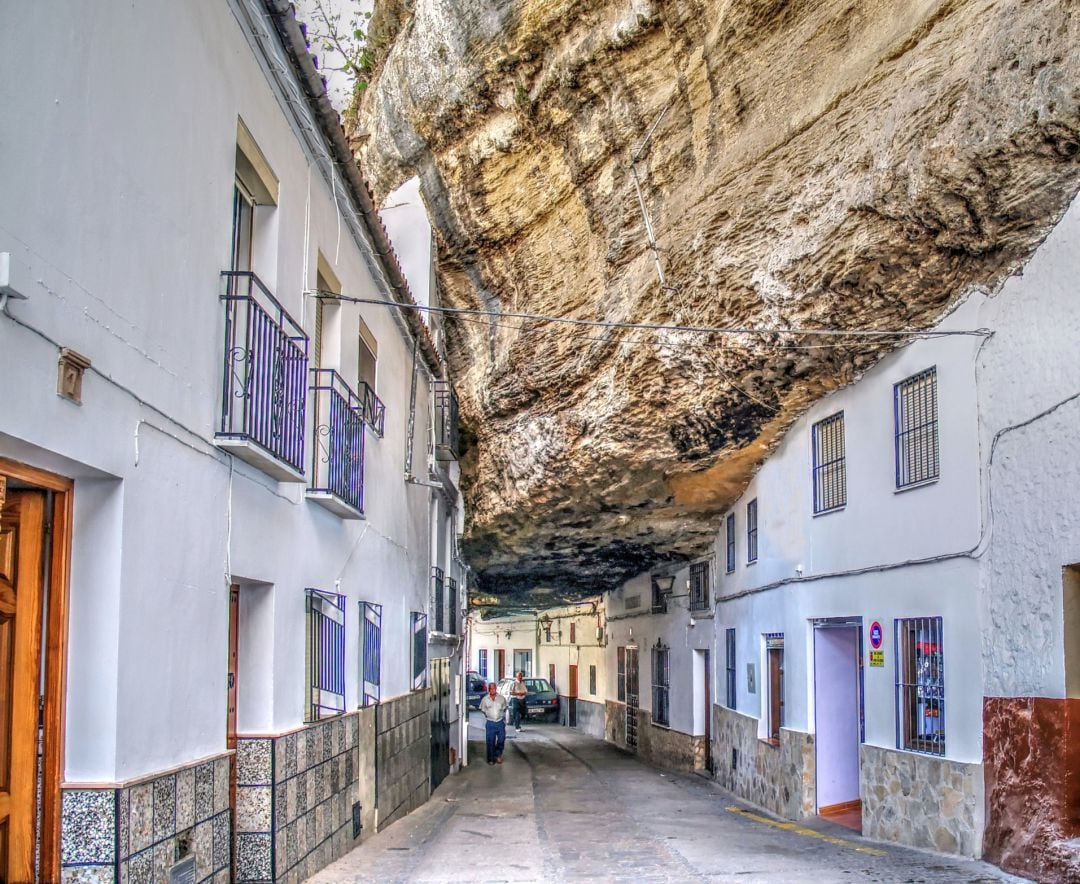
(875, 635)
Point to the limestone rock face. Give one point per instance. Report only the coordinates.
(850, 164)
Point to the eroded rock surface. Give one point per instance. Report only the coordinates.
(820, 164)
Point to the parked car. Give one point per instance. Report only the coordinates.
(475, 689)
(541, 701)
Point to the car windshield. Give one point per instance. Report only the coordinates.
(538, 685)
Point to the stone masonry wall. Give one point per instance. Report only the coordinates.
(782, 779)
(921, 800)
(657, 745)
(138, 831)
(403, 756)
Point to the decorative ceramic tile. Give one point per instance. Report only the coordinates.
(289, 742)
(164, 807)
(312, 841)
(303, 845)
(164, 857)
(123, 802)
(301, 751)
(292, 844)
(292, 801)
(320, 783)
(204, 791)
(312, 787)
(222, 877)
(321, 813)
(253, 762)
(88, 826)
(328, 740)
(140, 868)
(88, 875)
(222, 767)
(222, 834)
(280, 852)
(315, 745)
(253, 809)
(204, 849)
(185, 799)
(252, 857)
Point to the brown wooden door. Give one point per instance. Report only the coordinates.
(22, 545)
(571, 698)
(500, 664)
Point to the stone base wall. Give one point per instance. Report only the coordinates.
(657, 745)
(1031, 763)
(137, 832)
(782, 779)
(921, 801)
(591, 718)
(403, 756)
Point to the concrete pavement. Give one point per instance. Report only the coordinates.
(566, 807)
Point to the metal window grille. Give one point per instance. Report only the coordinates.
(337, 457)
(373, 409)
(661, 711)
(482, 664)
(699, 586)
(920, 685)
(621, 687)
(774, 648)
(916, 411)
(751, 531)
(371, 652)
(631, 696)
(325, 654)
(659, 599)
(730, 542)
(419, 650)
(592, 680)
(452, 604)
(264, 373)
(447, 443)
(729, 648)
(438, 599)
(830, 466)
(573, 633)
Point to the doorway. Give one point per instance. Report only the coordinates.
(838, 714)
(631, 696)
(522, 663)
(500, 664)
(702, 692)
(440, 720)
(35, 543)
(571, 697)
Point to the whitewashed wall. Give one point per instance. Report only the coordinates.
(118, 186)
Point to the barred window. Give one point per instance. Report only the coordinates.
(621, 686)
(730, 542)
(659, 598)
(325, 654)
(661, 707)
(751, 531)
(438, 599)
(419, 654)
(729, 647)
(830, 467)
(920, 685)
(592, 680)
(371, 652)
(481, 664)
(699, 586)
(916, 411)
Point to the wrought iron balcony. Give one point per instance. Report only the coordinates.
(446, 421)
(373, 408)
(438, 599)
(264, 380)
(337, 457)
(452, 605)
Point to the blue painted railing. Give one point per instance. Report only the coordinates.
(337, 458)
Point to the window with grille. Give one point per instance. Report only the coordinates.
(774, 649)
(729, 649)
(920, 685)
(661, 707)
(830, 467)
(371, 652)
(751, 531)
(419, 650)
(325, 662)
(438, 599)
(730, 542)
(621, 687)
(659, 599)
(592, 680)
(916, 411)
(699, 586)
(452, 604)
(481, 663)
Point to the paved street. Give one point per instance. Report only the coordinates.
(565, 807)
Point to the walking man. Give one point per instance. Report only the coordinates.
(494, 708)
(518, 695)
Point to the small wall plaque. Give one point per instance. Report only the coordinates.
(70, 375)
(750, 687)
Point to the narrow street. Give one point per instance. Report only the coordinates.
(568, 807)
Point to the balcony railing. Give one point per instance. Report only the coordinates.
(264, 379)
(337, 457)
(373, 408)
(452, 604)
(438, 598)
(446, 421)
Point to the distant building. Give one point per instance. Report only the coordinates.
(229, 485)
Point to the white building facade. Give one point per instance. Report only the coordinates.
(234, 479)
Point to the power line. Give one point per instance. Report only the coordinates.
(659, 327)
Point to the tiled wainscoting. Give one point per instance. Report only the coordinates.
(136, 833)
(403, 750)
(781, 778)
(295, 799)
(656, 744)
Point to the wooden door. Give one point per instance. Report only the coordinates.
(22, 546)
(500, 664)
(571, 698)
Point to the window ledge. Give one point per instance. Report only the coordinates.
(915, 485)
(769, 741)
(661, 725)
(251, 452)
(829, 512)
